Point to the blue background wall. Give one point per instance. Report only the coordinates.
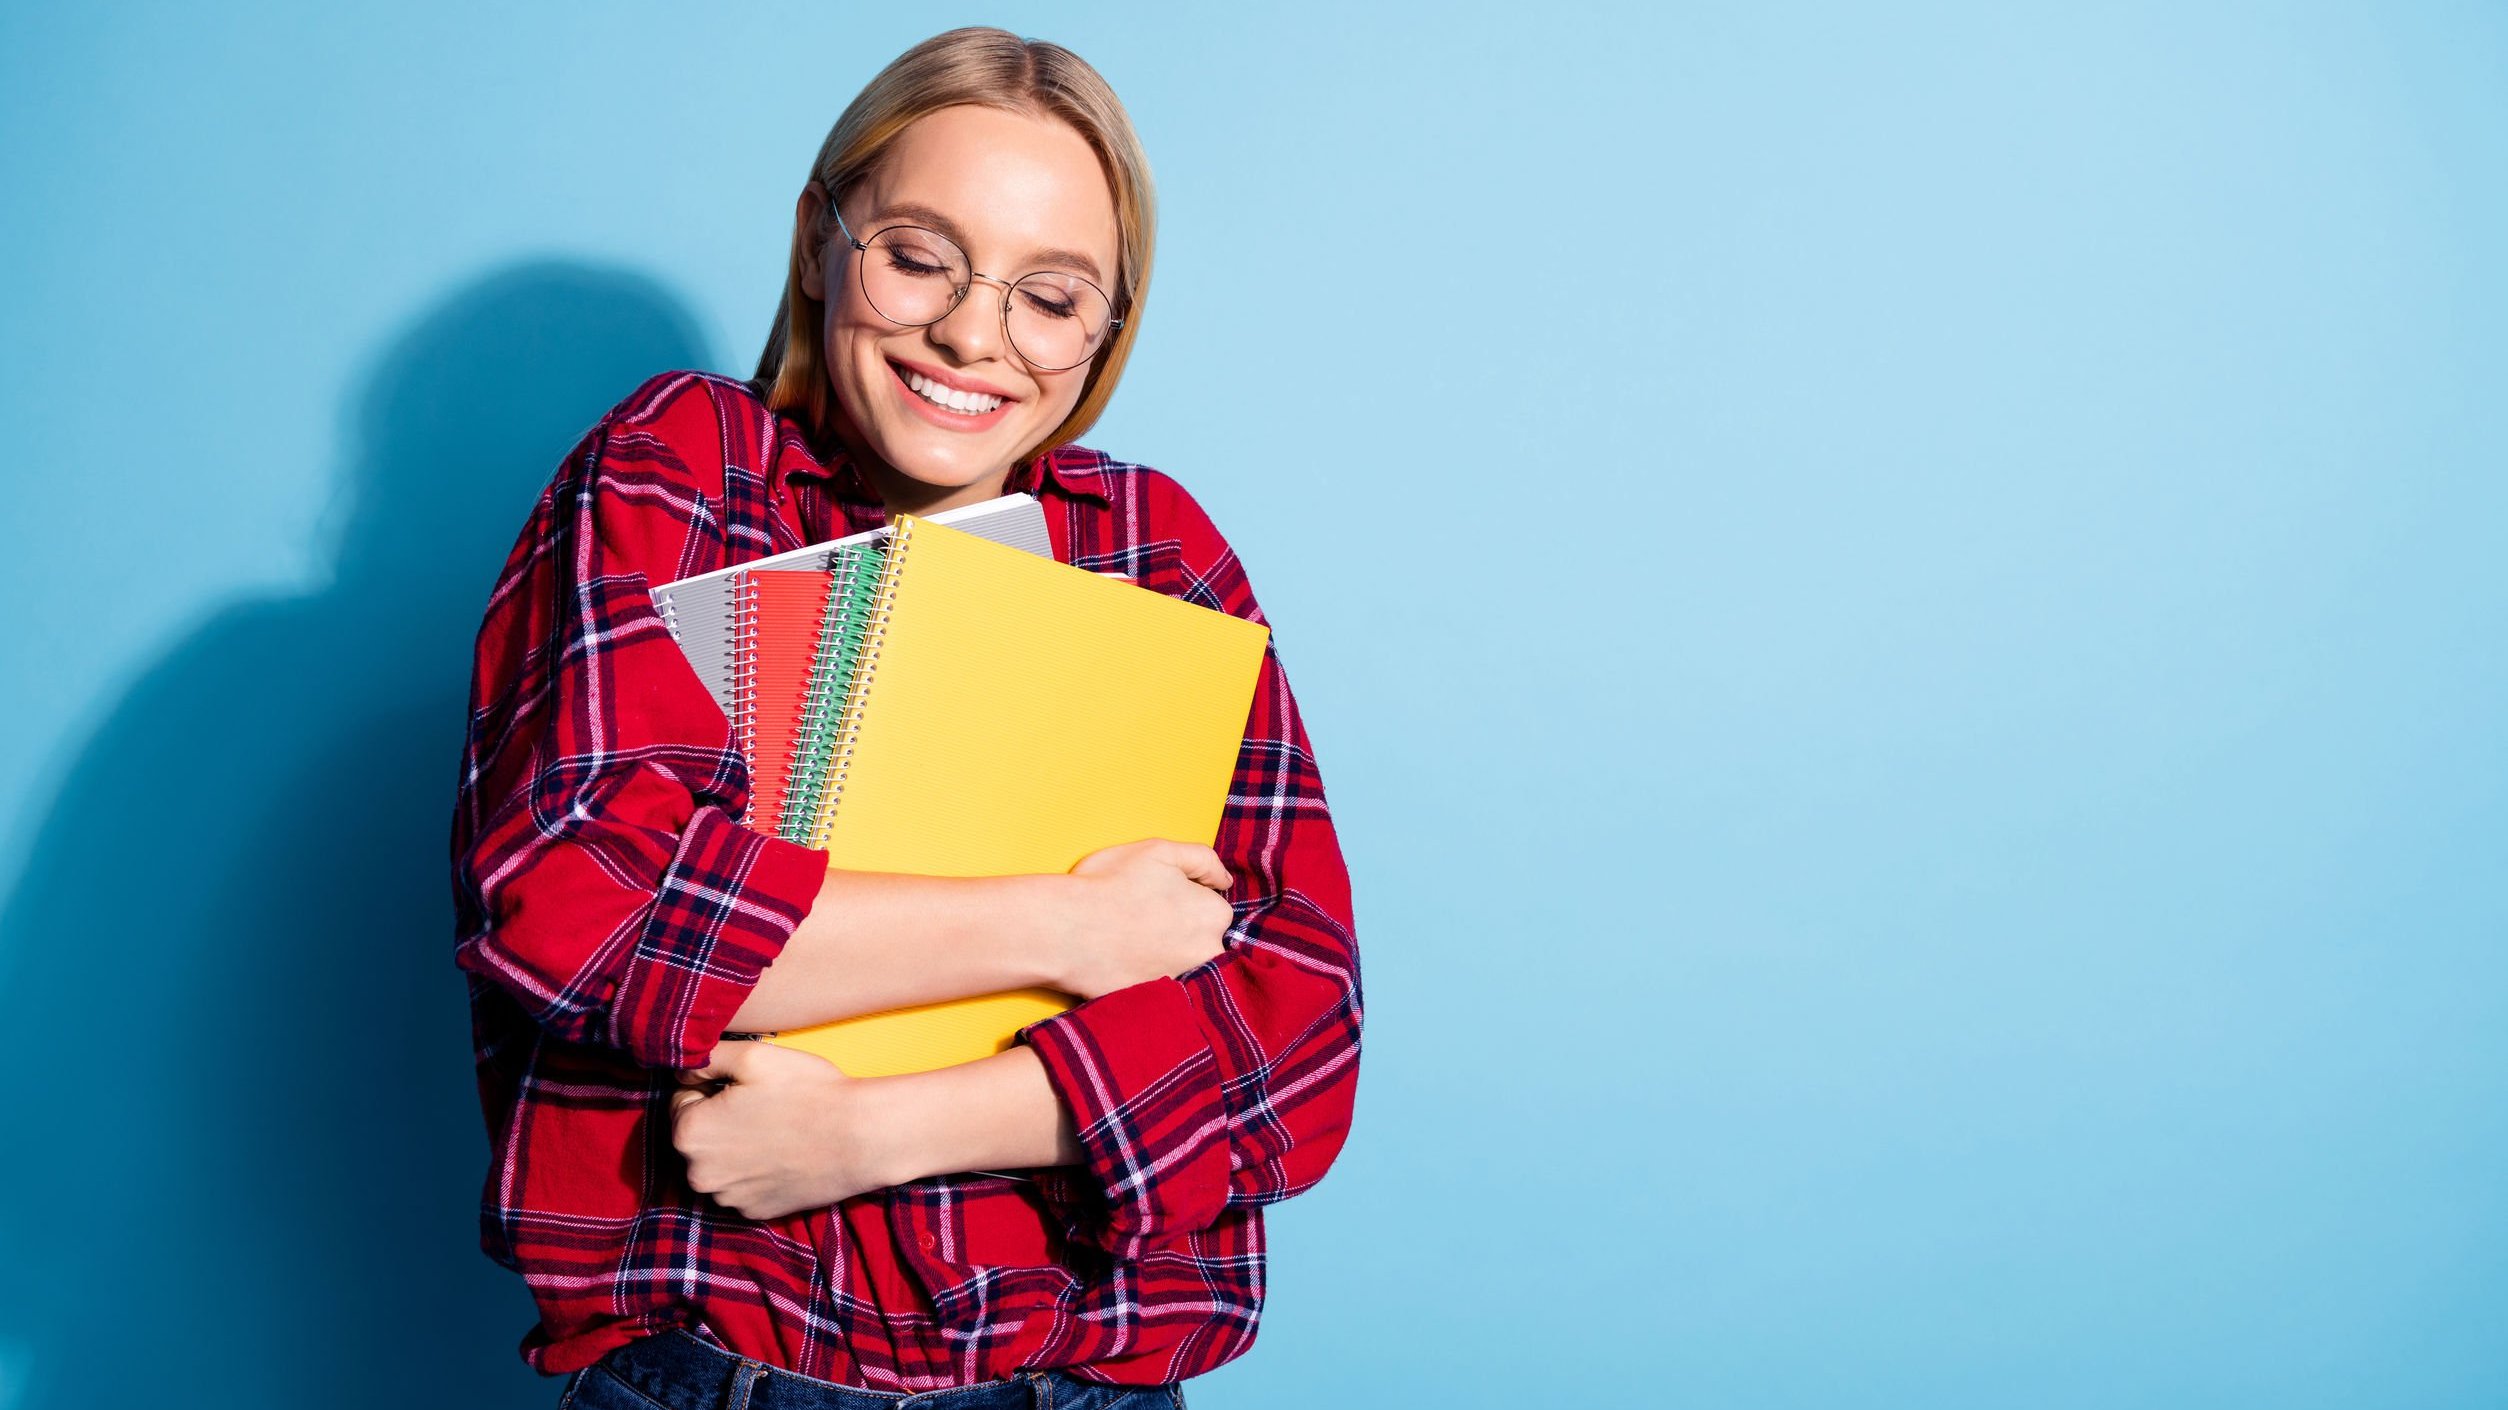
(1903, 614)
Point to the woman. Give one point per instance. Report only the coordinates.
(707, 1222)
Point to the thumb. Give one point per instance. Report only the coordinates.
(729, 1062)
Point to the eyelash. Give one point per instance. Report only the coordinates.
(1047, 307)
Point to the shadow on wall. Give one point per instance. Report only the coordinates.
(245, 1146)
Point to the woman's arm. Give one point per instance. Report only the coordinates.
(786, 1131)
(601, 880)
(875, 940)
(878, 940)
(1232, 1085)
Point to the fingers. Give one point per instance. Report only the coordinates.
(1201, 864)
(1196, 860)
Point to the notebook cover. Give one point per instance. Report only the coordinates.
(1012, 715)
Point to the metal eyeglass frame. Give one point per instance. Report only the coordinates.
(861, 277)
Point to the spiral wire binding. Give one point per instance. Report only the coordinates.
(801, 773)
(744, 719)
(670, 613)
(849, 722)
(831, 676)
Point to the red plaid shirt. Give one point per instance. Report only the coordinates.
(612, 916)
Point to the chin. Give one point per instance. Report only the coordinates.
(949, 472)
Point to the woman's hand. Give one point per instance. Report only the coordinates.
(783, 1132)
(1142, 910)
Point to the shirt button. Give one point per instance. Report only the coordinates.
(927, 1241)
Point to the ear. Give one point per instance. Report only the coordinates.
(808, 214)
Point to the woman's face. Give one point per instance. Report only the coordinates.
(1019, 194)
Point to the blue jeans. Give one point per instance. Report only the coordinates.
(676, 1371)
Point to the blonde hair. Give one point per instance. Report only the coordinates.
(996, 69)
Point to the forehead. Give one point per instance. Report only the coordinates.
(1014, 183)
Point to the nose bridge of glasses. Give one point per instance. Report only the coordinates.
(958, 296)
(965, 283)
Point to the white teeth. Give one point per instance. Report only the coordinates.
(976, 403)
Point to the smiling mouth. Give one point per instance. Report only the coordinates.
(945, 397)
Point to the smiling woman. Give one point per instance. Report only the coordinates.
(704, 1221)
(934, 166)
(936, 392)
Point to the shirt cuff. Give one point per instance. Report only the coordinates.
(721, 914)
(1143, 1090)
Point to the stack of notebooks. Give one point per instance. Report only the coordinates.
(940, 696)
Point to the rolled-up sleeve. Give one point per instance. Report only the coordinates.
(601, 878)
(1234, 1083)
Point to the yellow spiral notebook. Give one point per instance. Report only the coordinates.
(1010, 714)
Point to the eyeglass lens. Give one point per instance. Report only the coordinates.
(915, 276)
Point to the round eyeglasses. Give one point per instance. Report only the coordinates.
(914, 277)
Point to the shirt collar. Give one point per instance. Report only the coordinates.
(1073, 471)
(1068, 471)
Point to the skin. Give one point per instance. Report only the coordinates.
(767, 1131)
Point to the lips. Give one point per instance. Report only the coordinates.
(941, 415)
(955, 381)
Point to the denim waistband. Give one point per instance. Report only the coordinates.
(677, 1368)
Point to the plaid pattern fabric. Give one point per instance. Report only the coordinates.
(612, 916)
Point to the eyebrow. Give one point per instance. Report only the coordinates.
(925, 215)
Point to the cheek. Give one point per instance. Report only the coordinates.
(850, 348)
(841, 331)
(1059, 395)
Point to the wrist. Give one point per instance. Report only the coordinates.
(901, 1142)
(1050, 910)
(996, 1113)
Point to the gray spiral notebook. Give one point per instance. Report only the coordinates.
(698, 610)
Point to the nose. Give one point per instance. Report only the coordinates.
(974, 330)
